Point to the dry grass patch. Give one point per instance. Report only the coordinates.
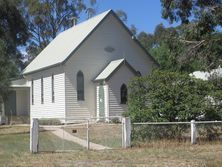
(14, 151)
(100, 133)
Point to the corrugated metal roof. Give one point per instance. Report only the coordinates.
(110, 68)
(64, 44)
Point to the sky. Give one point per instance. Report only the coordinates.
(144, 14)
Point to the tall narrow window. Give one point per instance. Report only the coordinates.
(80, 86)
(42, 91)
(32, 87)
(53, 93)
(123, 94)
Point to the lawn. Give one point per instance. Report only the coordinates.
(14, 151)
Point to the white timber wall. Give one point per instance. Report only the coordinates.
(122, 76)
(91, 58)
(22, 102)
(48, 109)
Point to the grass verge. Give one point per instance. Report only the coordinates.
(14, 151)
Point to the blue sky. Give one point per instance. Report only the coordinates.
(144, 14)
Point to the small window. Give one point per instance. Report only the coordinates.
(53, 92)
(123, 94)
(32, 87)
(80, 86)
(42, 91)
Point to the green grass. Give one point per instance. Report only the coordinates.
(50, 142)
(14, 151)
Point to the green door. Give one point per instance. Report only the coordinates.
(101, 102)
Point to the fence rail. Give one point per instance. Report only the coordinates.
(102, 131)
(172, 123)
(194, 130)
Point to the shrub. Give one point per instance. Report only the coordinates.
(115, 120)
(172, 96)
(49, 122)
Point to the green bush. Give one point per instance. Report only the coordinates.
(165, 96)
(115, 120)
(49, 122)
(172, 96)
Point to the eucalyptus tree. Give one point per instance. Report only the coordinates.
(13, 33)
(47, 18)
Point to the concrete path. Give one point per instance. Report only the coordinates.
(67, 136)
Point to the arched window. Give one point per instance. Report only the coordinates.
(80, 86)
(123, 94)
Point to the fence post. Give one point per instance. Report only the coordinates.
(87, 135)
(126, 133)
(193, 132)
(34, 135)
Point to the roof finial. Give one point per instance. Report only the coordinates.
(74, 20)
(90, 12)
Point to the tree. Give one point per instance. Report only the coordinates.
(13, 33)
(47, 18)
(147, 40)
(122, 15)
(206, 13)
(200, 20)
(164, 46)
(171, 96)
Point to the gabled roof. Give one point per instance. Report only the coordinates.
(64, 44)
(67, 42)
(111, 68)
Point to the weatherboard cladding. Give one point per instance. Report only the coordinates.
(49, 109)
(122, 76)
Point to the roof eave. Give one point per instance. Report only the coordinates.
(116, 69)
(40, 69)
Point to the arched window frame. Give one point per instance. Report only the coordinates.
(123, 94)
(80, 86)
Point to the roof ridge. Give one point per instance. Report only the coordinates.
(88, 20)
(72, 45)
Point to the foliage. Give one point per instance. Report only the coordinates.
(181, 49)
(148, 133)
(13, 33)
(47, 18)
(206, 13)
(195, 44)
(115, 120)
(201, 21)
(122, 15)
(171, 96)
(49, 122)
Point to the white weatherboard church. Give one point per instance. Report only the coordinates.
(82, 73)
